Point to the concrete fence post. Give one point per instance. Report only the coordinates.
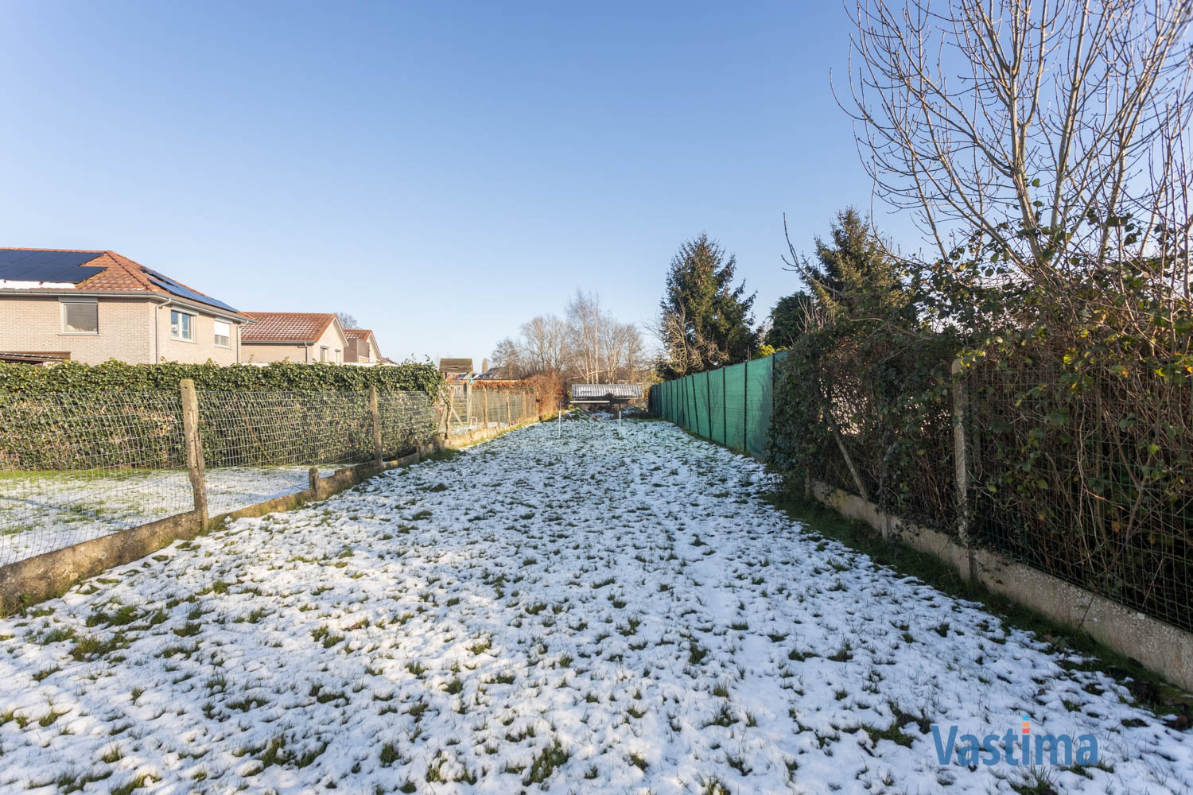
(194, 447)
(375, 412)
(961, 463)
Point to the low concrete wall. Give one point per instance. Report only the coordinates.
(45, 576)
(480, 435)
(34, 579)
(1156, 645)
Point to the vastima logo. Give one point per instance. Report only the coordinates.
(1014, 748)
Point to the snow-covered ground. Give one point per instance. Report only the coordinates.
(44, 512)
(597, 613)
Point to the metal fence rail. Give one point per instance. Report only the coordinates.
(78, 466)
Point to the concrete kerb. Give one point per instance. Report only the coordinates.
(45, 576)
(1158, 646)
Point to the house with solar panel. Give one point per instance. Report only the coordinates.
(298, 337)
(92, 306)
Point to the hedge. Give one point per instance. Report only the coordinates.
(114, 376)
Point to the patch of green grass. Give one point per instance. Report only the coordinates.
(544, 764)
(55, 635)
(92, 646)
(136, 783)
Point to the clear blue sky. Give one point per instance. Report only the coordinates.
(443, 171)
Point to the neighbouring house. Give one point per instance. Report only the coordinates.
(92, 306)
(362, 347)
(299, 337)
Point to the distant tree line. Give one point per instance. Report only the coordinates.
(586, 345)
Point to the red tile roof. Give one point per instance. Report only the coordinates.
(286, 326)
(120, 274)
(357, 333)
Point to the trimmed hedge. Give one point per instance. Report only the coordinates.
(114, 376)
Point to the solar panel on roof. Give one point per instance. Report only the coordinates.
(47, 266)
(174, 288)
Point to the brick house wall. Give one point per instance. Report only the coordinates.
(132, 330)
(34, 324)
(203, 348)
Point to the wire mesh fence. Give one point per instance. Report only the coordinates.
(471, 408)
(74, 467)
(78, 466)
(1090, 481)
(1088, 477)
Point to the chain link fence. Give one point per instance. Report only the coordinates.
(78, 466)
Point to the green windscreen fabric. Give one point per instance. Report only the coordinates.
(735, 398)
(716, 405)
(700, 397)
(758, 405)
(731, 406)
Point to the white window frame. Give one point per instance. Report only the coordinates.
(216, 335)
(64, 302)
(323, 351)
(180, 313)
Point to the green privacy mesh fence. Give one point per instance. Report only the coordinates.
(730, 406)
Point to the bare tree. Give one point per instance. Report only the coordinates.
(584, 319)
(688, 349)
(545, 343)
(508, 359)
(586, 345)
(347, 320)
(1041, 125)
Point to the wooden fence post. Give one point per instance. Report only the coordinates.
(376, 414)
(961, 462)
(485, 407)
(313, 480)
(509, 411)
(194, 447)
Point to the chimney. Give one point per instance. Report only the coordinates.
(484, 365)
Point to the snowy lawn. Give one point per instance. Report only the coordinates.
(592, 614)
